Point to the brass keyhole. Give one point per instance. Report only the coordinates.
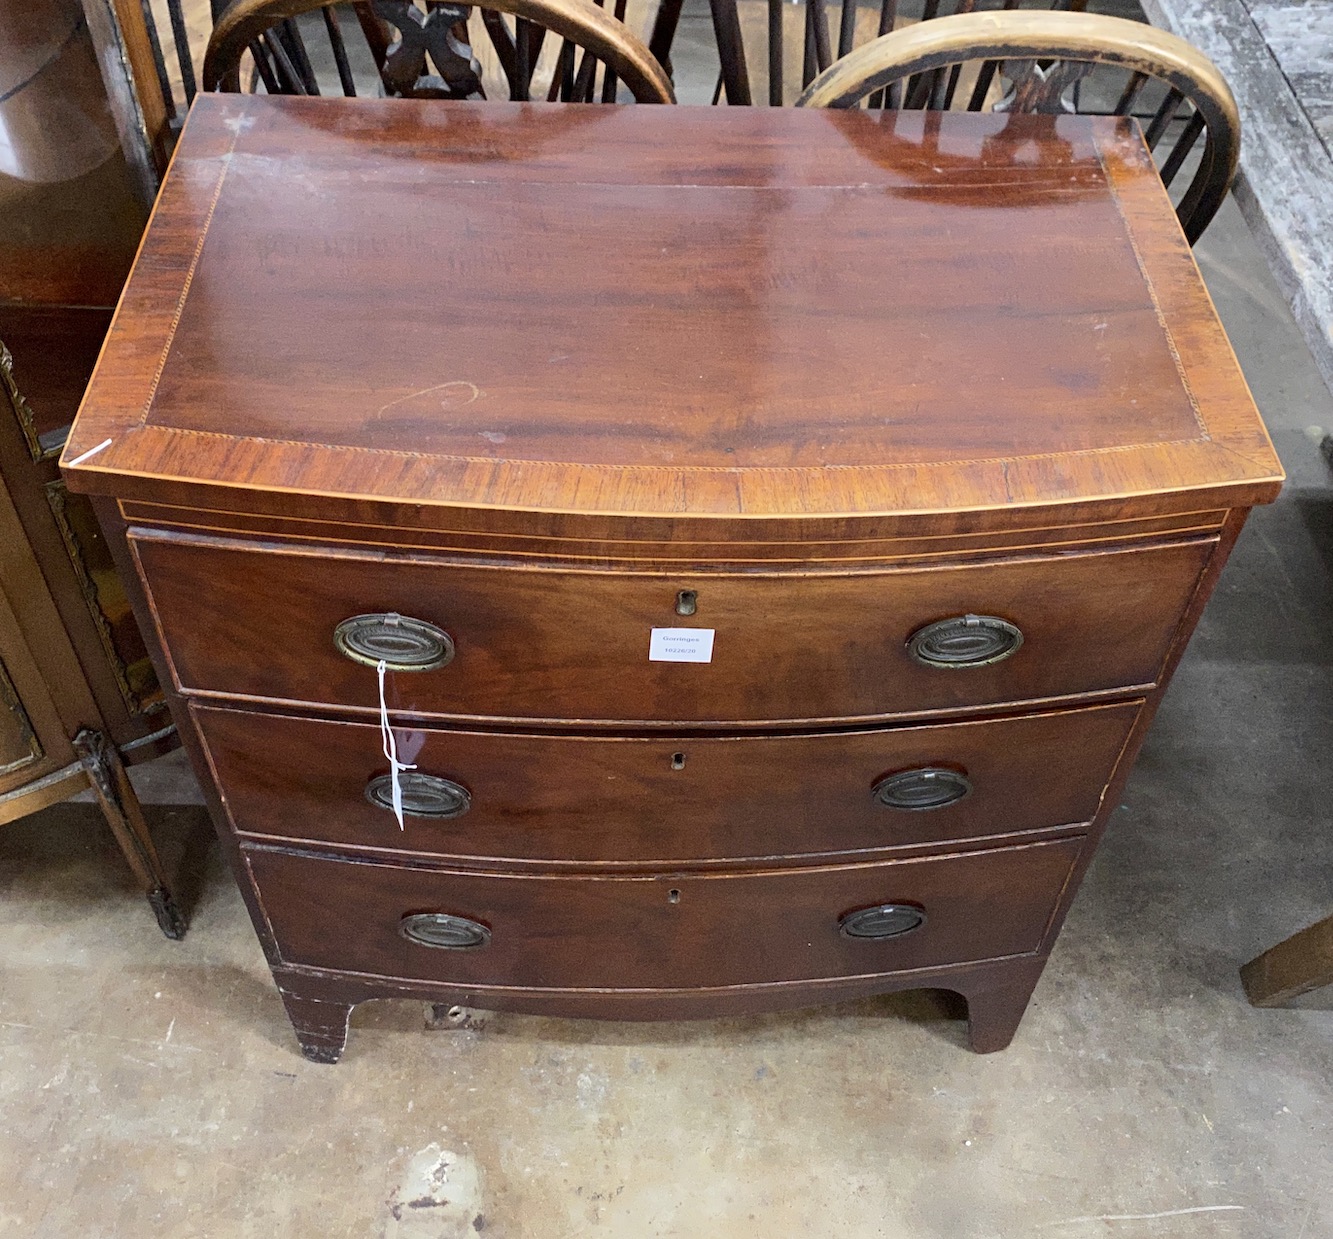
(673, 896)
(687, 602)
(677, 761)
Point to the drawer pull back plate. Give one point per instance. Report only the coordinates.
(445, 932)
(931, 787)
(399, 641)
(887, 920)
(965, 641)
(423, 795)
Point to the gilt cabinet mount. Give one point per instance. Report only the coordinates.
(663, 562)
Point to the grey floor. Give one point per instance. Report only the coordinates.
(150, 1088)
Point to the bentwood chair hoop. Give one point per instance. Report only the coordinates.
(247, 25)
(1030, 44)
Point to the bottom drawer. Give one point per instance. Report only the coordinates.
(660, 931)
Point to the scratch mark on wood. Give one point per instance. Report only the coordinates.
(449, 397)
(92, 451)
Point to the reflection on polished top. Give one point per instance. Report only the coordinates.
(658, 311)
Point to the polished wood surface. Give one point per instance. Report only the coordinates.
(72, 712)
(745, 325)
(580, 800)
(52, 351)
(683, 542)
(542, 644)
(1034, 417)
(58, 529)
(611, 932)
(71, 212)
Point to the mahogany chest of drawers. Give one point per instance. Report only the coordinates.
(648, 562)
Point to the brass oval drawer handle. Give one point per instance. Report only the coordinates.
(401, 642)
(885, 920)
(445, 932)
(930, 787)
(965, 641)
(424, 795)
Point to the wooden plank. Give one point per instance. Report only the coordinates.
(1285, 183)
(1299, 33)
(1295, 966)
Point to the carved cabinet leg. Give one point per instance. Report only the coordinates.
(994, 1009)
(124, 814)
(320, 1024)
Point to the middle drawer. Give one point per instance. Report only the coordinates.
(598, 800)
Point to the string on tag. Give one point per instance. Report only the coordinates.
(391, 748)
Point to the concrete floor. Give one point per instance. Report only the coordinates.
(150, 1088)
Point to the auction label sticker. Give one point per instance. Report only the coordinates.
(681, 645)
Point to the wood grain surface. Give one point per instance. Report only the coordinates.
(255, 622)
(696, 800)
(629, 932)
(735, 313)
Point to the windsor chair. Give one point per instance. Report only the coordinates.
(1047, 62)
(445, 51)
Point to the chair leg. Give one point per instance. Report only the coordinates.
(124, 814)
(664, 32)
(731, 51)
(1295, 966)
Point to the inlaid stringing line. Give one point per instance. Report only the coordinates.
(1152, 293)
(189, 277)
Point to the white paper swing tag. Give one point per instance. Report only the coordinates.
(390, 745)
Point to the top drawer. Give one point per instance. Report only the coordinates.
(257, 620)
